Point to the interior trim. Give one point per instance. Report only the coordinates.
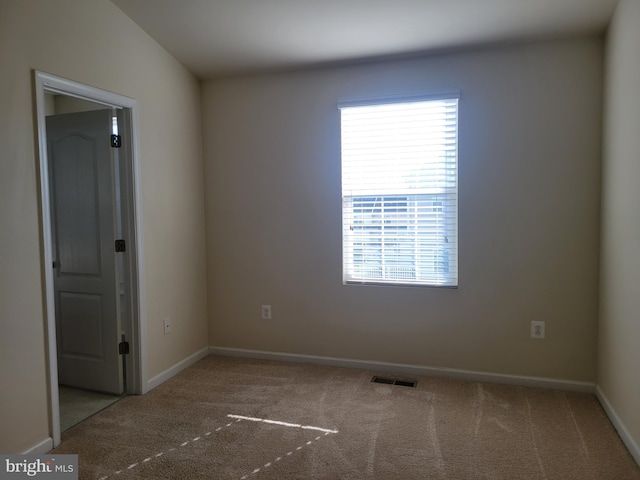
(466, 375)
(175, 369)
(45, 446)
(44, 82)
(627, 439)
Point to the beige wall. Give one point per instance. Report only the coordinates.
(530, 146)
(619, 329)
(92, 42)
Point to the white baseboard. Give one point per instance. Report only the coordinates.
(465, 375)
(174, 370)
(632, 446)
(45, 446)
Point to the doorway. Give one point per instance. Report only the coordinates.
(90, 233)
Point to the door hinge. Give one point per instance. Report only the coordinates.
(123, 348)
(116, 141)
(121, 245)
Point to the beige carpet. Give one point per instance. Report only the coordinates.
(239, 419)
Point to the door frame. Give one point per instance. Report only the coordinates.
(136, 364)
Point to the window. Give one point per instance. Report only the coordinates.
(400, 190)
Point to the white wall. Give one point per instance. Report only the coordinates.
(530, 145)
(93, 42)
(619, 329)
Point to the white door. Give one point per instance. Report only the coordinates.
(83, 219)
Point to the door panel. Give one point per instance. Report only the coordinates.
(81, 320)
(85, 283)
(74, 163)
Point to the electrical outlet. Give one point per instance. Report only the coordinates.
(167, 326)
(537, 330)
(266, 312)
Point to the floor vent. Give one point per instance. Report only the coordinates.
(394, 381)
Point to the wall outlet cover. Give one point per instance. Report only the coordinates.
(537, 330)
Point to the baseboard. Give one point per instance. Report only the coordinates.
(630, 443)
(45, 446)
(175, 369)
(465, 375)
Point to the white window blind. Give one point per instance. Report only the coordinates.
(400, 191)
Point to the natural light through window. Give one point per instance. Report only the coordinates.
(400, 191)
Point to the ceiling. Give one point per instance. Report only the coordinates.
(225, 37)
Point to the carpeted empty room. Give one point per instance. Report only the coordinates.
(221, 220)
(232, 418)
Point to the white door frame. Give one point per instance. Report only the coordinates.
(46, 83)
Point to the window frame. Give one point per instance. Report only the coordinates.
(350, 247)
